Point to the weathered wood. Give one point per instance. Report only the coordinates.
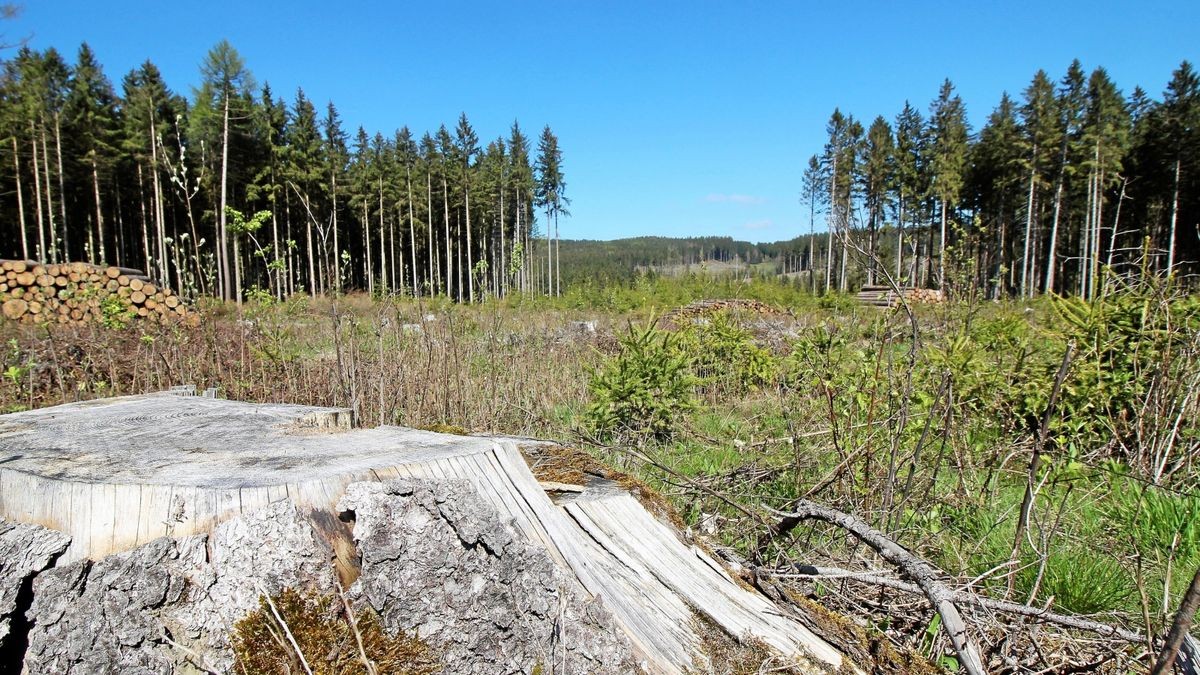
(917, 569)
(117, 474)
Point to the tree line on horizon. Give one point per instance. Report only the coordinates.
(1071, 179)
(234, 191)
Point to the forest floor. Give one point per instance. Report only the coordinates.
(924, 424)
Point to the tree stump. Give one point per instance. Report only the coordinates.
(118, 475)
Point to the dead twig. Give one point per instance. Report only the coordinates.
(913, 567)
(967, 598)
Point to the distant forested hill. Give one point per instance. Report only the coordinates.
(622, 259)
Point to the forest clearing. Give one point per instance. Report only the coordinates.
(797, 377)
(738, 411)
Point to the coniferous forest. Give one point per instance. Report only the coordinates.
(235, 190)
(1071, 177)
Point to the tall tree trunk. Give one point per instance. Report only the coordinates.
(1174, 218)
(1052, 252)
(20, 199)
(309, 249)
(291, 256)
(1098, 222)
(502, 286)
(383, 263)
(812, 244)
(412, 234)
(430, 255)
(843, 273)
(121, 242)
(99, 250)
(337, 250)
(446, 220)
(1112, 242)
(237, 267)
(37, 186)
(557, 259)
(222, 236)
(145, 221)
(368, 260)
(1026, 291)
(942, 250)
(831, 224)
(277, 272)
(470, 261)
(458, 255)
(62, 190)
(52, 229)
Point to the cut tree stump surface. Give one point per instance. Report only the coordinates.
(118, 473)
(167, 439)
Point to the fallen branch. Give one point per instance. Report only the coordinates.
(1179, 628)
(913, 567)
(965, 598)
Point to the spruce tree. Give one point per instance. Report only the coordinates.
(91, 111)
(550, 195)
(948, 158)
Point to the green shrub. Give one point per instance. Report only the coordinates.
(644, 391)
(724, 355)
(116, 312)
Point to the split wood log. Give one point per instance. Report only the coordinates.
(913, 567)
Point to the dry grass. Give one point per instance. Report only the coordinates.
(478, 369)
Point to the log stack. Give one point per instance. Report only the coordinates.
(83, 293)
(884, 296)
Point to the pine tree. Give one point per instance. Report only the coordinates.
(406, 150)
(910, 180)
(948, 158)
(877, 176)
(336, 158)
(1106, 134)
(998, 163)
(550, 195)
(520, 176)
(813, 192)
(148, 109)
(267, 188)
(1181, 138)
(467, 145)
(91, 114)
(1040, 127)
(225, 85)
(1071, 99)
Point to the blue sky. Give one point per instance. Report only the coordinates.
(675, 118)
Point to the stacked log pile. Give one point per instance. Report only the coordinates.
(883, 296)
(84, 293)
(703, 308)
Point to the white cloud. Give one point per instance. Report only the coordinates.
(734, 199)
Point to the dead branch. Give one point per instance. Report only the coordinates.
(966, 598)
(913, 567)
(1179, 628)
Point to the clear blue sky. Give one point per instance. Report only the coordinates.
(675, 118)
